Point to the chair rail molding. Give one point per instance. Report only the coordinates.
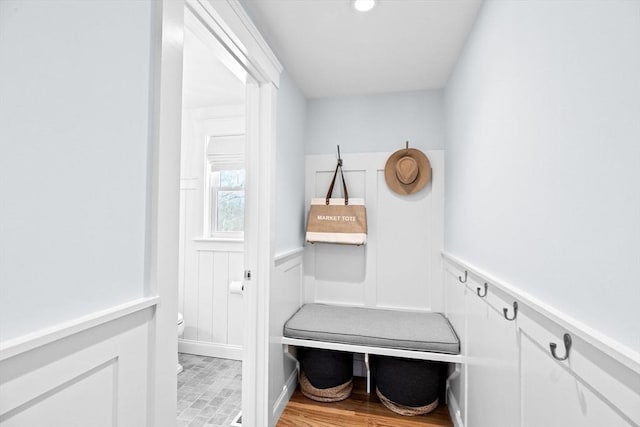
(42, 337)
(618, 351)
(281, 257)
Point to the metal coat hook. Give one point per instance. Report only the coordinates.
(339, 156)
(485, 290)
(567, 347)
(515, 311)
(465, 277)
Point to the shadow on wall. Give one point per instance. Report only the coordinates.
(340, 263)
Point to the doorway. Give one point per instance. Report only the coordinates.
(244, 51)
(212, 224)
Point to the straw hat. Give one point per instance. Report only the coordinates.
(407, 171)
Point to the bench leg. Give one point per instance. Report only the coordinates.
(368, 367)
(455, 374)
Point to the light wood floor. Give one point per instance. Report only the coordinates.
(361, 409)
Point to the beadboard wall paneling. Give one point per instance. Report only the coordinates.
(399, 267)
(213, 316)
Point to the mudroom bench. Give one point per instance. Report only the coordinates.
(412, 335)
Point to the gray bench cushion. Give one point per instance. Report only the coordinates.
(372, 327)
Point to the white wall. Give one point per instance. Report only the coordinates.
(543, 159)
(375, 123)
(74, 132)
(290, 137)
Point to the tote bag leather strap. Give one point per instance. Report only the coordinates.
(333, 181)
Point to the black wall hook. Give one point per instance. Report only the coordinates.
(465, 277)
(567, 347)
(515, 311)
(485, 290)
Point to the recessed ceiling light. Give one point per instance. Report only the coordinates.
(363, 5)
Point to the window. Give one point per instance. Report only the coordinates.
(226, 181)
(227, 194)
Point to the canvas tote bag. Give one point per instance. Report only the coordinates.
(341, 221)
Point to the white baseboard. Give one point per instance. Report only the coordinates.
(287, 391)
(222, 351)
(454, 410)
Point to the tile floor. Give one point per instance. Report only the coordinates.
(209, 391)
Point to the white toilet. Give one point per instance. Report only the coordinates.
(180, 331)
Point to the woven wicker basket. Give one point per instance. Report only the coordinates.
(408, 386)
(332, 394)
(406, 410)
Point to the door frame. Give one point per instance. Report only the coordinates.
(230, 24)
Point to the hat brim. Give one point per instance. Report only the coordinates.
(424, 171)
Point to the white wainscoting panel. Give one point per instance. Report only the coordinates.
(96, 389)
(588, 367)
(400, 266)
(455, 310)
(235, 302)
(403, 238)
(188, 263)
(285, 299)
(207, 277)
(95, 377)
(512, 373)
(492, 363)
(554, 396)
(214, 317)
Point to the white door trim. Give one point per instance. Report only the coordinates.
(164, 211)
(260, 254)
(230, 24)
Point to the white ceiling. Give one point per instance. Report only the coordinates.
(331, 50)
(207, 82)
